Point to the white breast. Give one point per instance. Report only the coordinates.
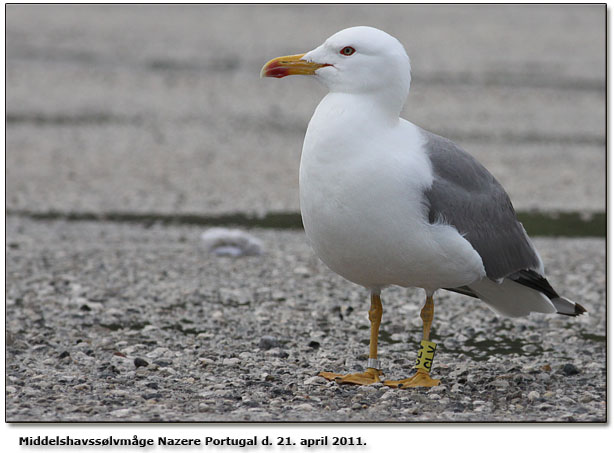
(361, 186)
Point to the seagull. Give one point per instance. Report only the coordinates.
(384, 202)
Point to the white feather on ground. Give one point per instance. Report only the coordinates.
(231, 242)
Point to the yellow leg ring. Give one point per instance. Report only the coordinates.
(426, 354)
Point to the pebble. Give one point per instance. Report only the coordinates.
(315, 380)
(457, 388)
(314, 344)
(570, 369)
(267, 342)
(120, 412)
(501, 384)
(441, 388)
(533, 395)
(368, 389)
(231, 361)
(159, 362)
(138, 362)
(544, 407)
(158, 352)
(166, 371)
(304, 407)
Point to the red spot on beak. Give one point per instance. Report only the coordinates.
(276, 70)
(290, 65)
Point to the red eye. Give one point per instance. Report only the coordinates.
(347, 51)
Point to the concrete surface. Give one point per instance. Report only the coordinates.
(218, 338)
(160, 108)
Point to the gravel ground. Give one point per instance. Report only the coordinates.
(117, 322)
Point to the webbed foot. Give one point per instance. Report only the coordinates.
(371, 376)
(420, 379)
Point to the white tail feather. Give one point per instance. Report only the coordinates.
(509, 298)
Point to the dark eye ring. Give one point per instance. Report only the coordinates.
(347, 51)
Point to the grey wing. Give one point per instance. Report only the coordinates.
(465, 195)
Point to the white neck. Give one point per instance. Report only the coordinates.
(368, 108)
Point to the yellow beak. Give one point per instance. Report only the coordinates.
(290, 65)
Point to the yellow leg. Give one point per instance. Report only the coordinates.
(422, 377)
(375, 317)
(373, 372)
(426, 314)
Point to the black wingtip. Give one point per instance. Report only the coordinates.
(579, 309)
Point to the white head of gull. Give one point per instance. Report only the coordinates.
(385, 202)
(379, 70)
